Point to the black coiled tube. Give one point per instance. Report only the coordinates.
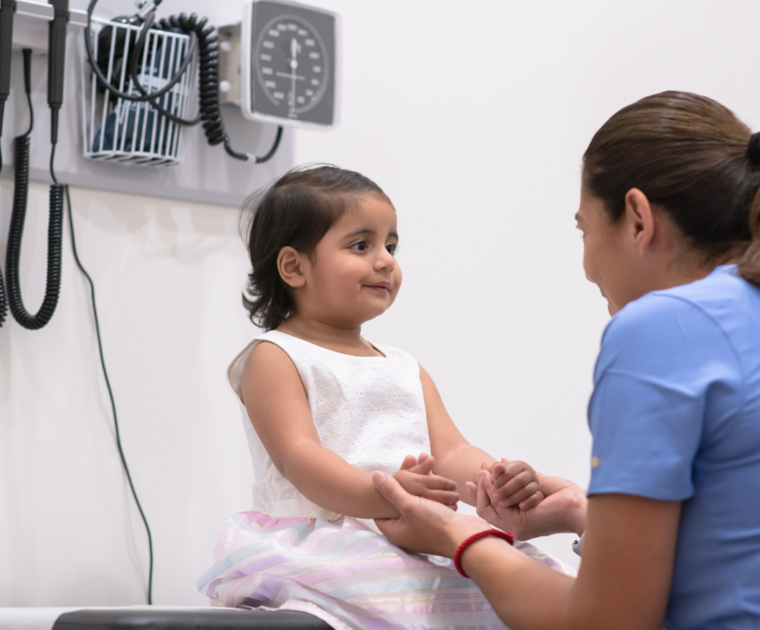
(3, 301)
(3, 298)
(13, 253)
(208, 72)
(208, 82)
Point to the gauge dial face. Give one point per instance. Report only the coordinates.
(292, 64)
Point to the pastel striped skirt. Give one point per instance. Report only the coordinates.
(345, 573)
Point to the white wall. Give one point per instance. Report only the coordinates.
(168, 278)
(473, 117)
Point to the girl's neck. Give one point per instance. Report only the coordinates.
(347, 340)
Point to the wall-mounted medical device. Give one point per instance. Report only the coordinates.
(141, 87)
(289, 64)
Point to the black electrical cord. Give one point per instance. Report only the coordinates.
(18, 217)
(3, 298)
(139, 45)
(205, 39)
(267, 156)
(7, 9)
(110, 392)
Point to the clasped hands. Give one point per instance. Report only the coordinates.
(427, 525)
(505, 484)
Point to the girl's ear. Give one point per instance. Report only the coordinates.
(290, 264)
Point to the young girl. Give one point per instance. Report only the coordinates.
(324, 408)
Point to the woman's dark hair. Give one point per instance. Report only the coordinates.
(296, 211)
(690, 155)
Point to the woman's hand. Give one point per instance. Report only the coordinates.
(424, 526)
(562, 510)
(416, 478)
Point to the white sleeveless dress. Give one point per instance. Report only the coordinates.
(290, 554)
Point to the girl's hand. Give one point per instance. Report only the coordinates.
(563, 509)
(416, 478)
(422, 464)
(515, 484)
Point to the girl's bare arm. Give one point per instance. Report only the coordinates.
(455, 457)
(458, 460)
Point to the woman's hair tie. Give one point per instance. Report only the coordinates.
(754, 149)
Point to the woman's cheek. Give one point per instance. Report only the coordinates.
(587, 266)
(593, 276)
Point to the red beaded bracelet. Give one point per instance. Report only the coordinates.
(468, 541)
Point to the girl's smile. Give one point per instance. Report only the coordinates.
(382, 288)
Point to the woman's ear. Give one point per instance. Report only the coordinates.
(290, 264)
(640, 219)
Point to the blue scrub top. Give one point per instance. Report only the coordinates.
(675, 415)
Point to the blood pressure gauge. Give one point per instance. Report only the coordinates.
(289, 64)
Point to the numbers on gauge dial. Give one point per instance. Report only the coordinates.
(292, 64)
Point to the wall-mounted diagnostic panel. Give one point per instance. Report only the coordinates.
(289, 70)
(143, 89)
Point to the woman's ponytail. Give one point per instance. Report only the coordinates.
(749, 264)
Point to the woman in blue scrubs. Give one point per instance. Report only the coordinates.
(670, 216)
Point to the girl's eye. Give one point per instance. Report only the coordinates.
(391, 248)
(361, 246)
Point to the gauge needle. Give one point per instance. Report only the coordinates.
(295, 48)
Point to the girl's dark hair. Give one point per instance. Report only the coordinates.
(296, 211)
(691, 155)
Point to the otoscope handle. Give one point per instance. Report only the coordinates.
(57, 52)
(7, 7)
(27, 53)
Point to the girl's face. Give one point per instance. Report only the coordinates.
(353, 276)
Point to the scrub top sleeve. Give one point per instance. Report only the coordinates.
(660, 358)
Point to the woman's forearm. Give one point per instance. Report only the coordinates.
(332, 483)
(523, 593)
(623, 584)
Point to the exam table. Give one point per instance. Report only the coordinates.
(155, 618)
